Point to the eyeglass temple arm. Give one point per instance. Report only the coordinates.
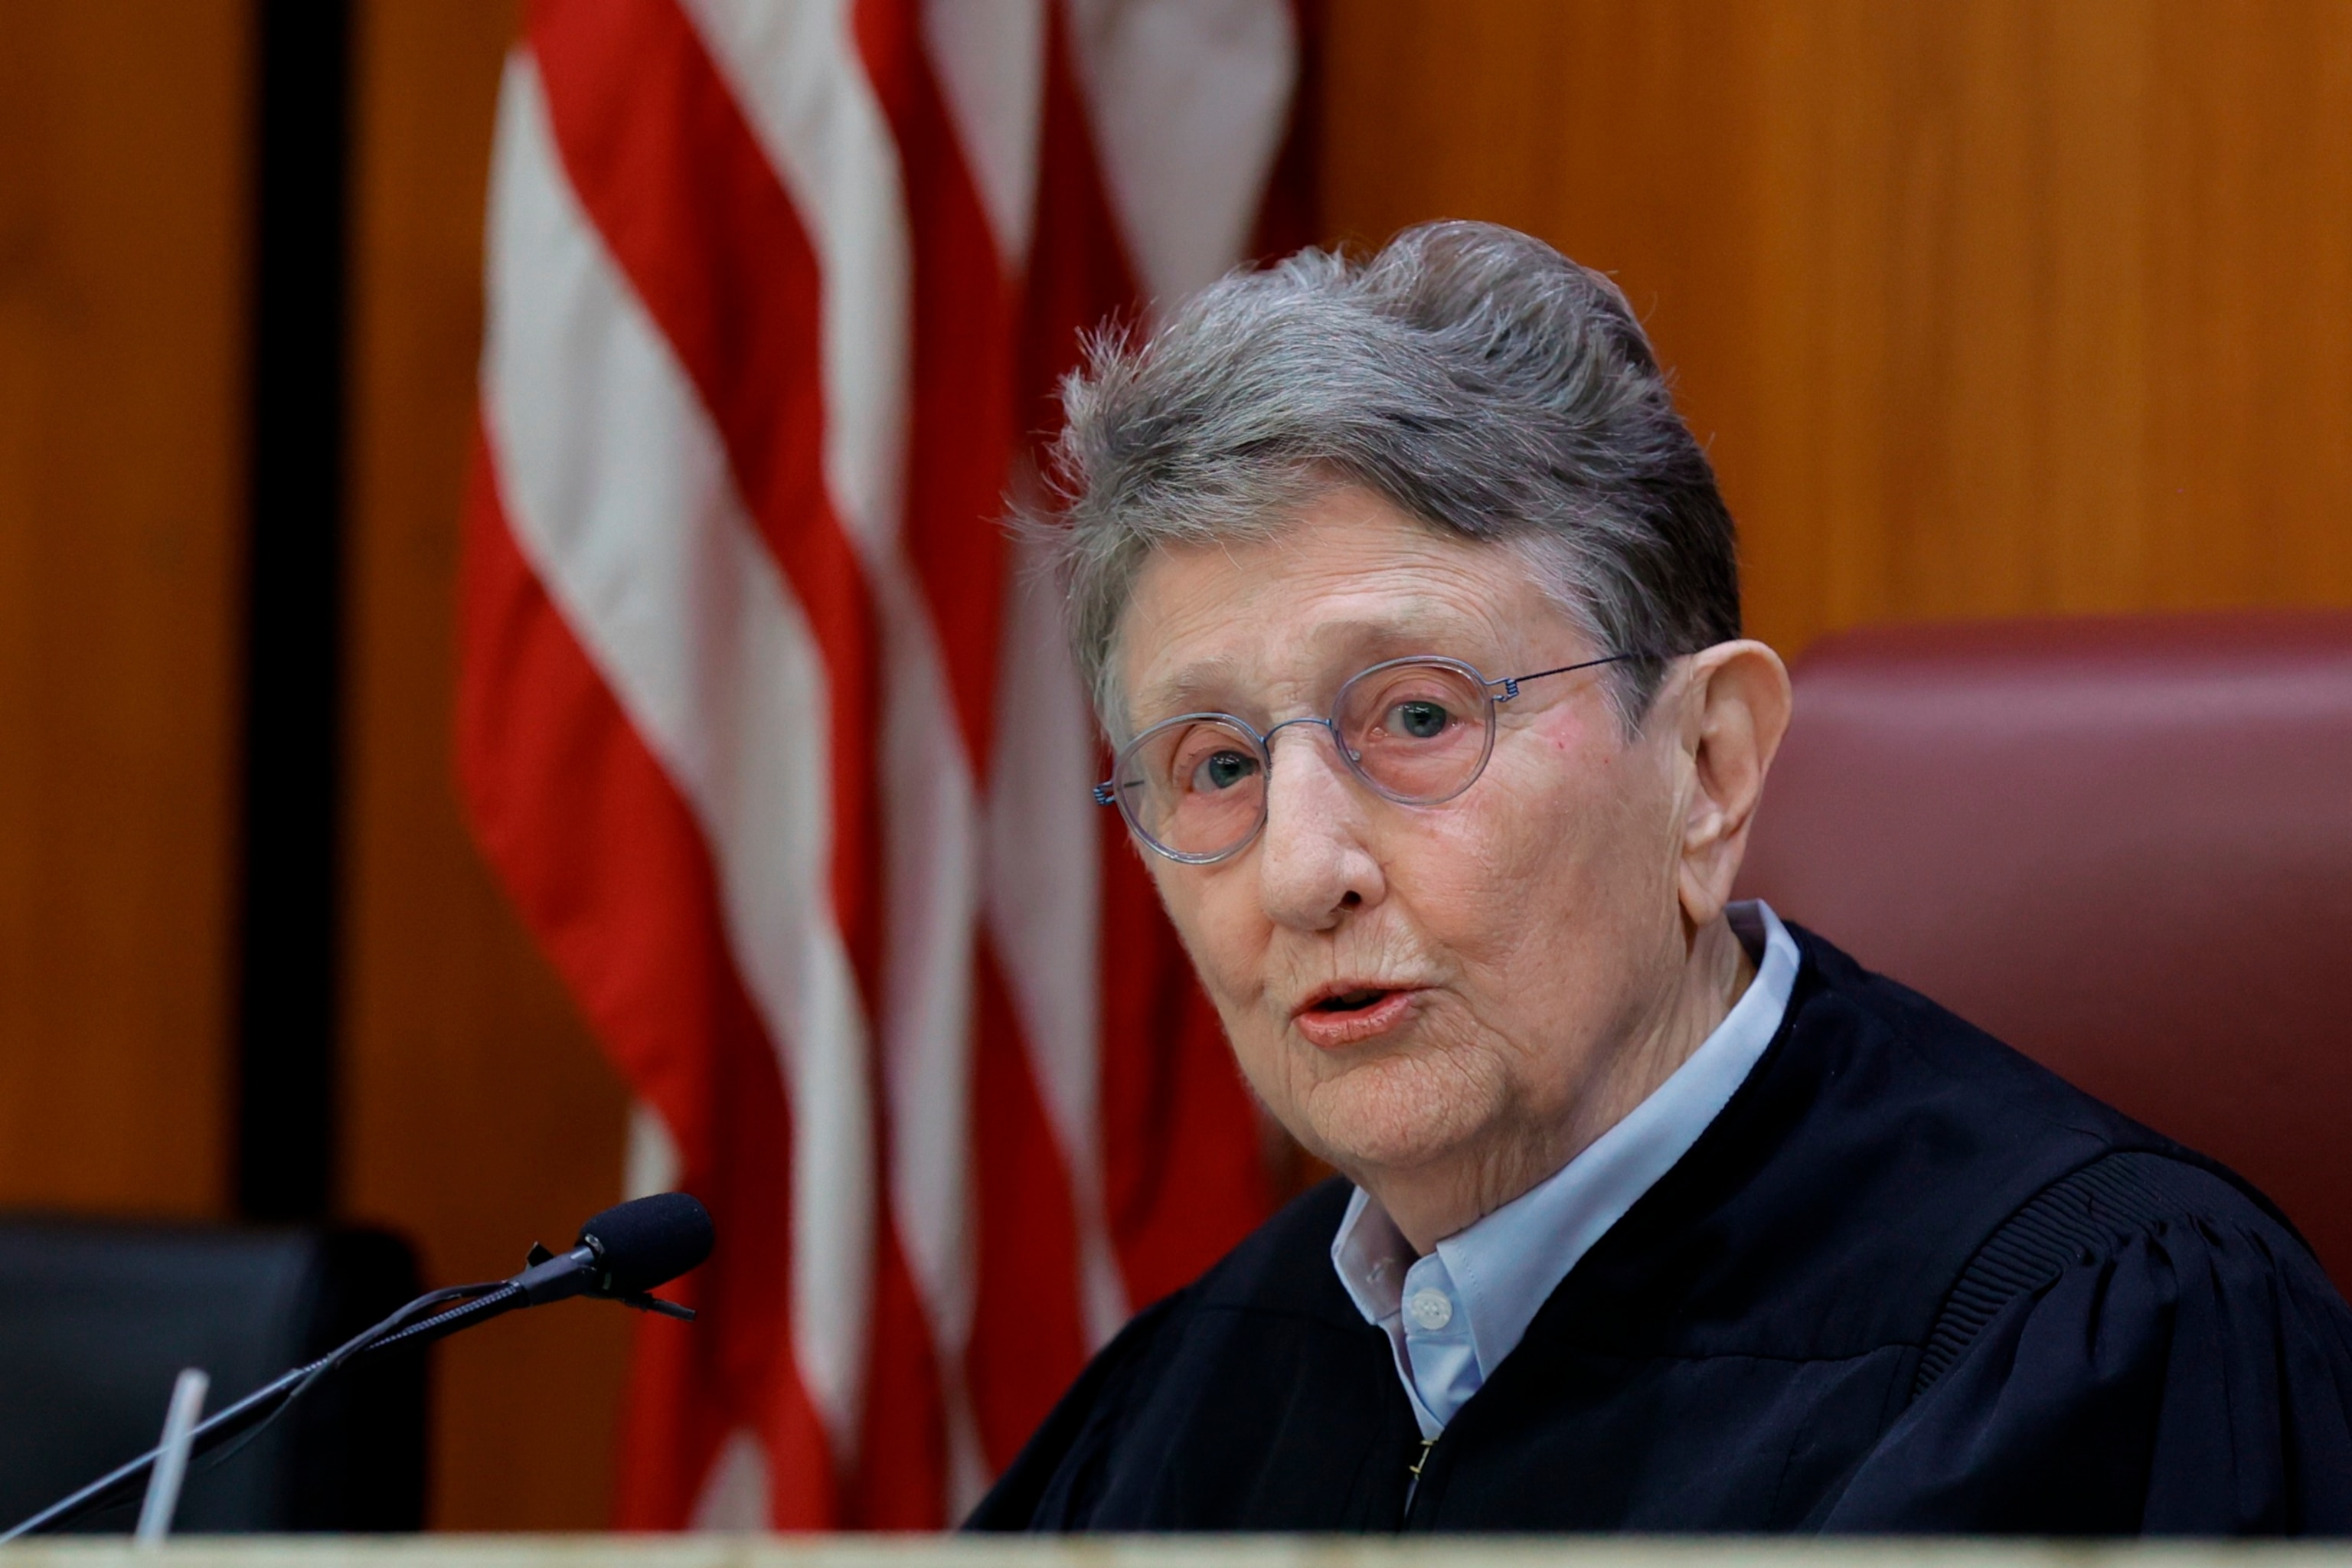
(1106, 794)
(1510, 683)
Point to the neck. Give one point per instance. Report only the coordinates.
(1431, 1205)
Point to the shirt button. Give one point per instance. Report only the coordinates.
(1430, 1309)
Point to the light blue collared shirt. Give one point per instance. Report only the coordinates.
(1453, 1315)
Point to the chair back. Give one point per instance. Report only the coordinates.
(96, 1320)
(2122, 845)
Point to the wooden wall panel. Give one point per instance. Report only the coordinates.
(478, 1113)
(123, 254)
(1982, 309)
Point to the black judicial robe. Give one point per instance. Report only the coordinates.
(1907, 1280)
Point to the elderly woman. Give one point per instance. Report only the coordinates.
(1413, 614)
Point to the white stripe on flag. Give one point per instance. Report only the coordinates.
(989, 58)
(796, 75)
(1189, 99)
(618, 491)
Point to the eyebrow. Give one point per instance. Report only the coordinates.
(1389, 636)
(1194, 687)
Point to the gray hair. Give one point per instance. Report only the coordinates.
(1472, 376)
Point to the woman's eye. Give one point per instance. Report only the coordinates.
(1223, 769)
(1419, 720)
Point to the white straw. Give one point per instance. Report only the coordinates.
(171, 1463)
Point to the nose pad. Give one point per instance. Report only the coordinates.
(1339, 746)
(1328, 726)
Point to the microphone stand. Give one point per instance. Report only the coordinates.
(551, 1276)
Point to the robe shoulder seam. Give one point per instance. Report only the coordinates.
(2076, 1219)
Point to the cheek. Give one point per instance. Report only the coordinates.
(1225, 932)
(1230, 941)
(1520, 846)
(1537, 873)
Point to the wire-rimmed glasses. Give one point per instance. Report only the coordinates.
(1415, 731)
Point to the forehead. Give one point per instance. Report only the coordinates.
(1349, 580)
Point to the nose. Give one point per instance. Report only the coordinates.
(1314, 860)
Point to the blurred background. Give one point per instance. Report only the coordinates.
(1982, 309)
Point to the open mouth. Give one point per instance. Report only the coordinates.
(1356, 1015)
(1351, 1001)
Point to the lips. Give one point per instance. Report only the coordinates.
(1350, 1011)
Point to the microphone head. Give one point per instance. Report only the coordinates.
(647, 1241)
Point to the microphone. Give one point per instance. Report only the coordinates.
(624, 1253)
(621, 1256)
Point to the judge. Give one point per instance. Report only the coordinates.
(1412, 610)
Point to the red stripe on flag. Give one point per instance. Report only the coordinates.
(901, 1478)
(677, 183)
(962, 433)
(610, 872)
(1029, 1337)
(1079, 274)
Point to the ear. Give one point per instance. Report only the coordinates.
(1735, 709)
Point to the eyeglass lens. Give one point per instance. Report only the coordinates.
(1418, 733)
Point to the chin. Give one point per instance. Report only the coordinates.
(1394, 1113)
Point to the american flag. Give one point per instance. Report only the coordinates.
(768, 728)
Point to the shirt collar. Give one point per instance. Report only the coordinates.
(1506, 1265)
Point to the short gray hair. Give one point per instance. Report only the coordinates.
(1472, 376)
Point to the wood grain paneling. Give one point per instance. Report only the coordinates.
(478, 1112)
(124, 247)
(1982, 309)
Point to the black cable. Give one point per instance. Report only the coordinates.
(372, 1339)
(505, 1298)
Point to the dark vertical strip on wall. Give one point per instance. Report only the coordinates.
(287, 992)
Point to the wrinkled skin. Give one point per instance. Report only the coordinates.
(1556, 933)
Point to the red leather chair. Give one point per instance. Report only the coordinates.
(2122, 845)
